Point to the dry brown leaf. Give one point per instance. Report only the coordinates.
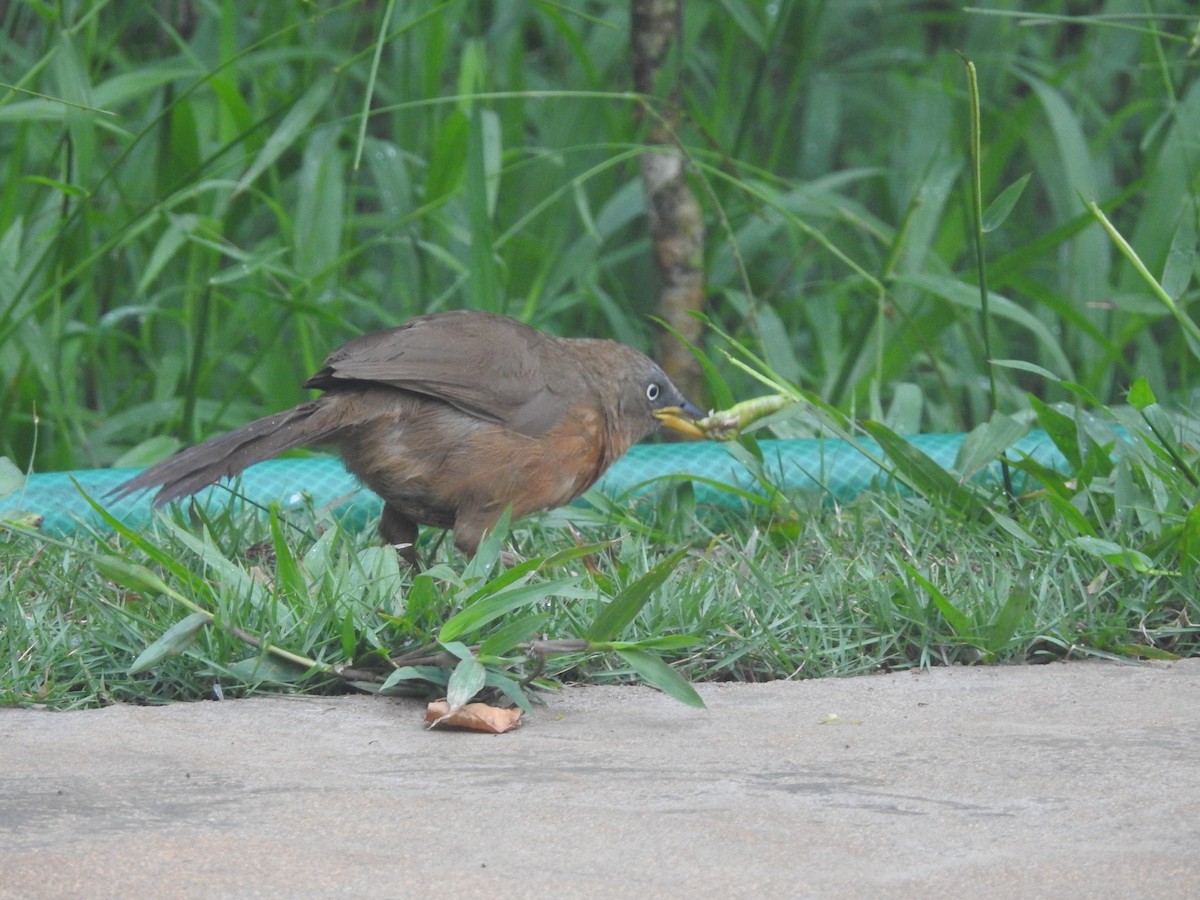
(473, 716)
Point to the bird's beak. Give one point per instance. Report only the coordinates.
(682, 419)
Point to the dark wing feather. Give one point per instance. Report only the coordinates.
(487, 365)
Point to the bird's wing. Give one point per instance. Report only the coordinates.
(486, 365)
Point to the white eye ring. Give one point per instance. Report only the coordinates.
(652, 391)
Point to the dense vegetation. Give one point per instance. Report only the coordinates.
(198, 200)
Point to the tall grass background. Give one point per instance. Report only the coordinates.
(199, 199)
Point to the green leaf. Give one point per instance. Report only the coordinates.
(998, 209)
(1011, 526)
(493, 607)
(348, 635)
(1016, 605)
(266, 669)
(663, 642)
(181, 154)
(652, 670)
(168, 560)
(1023, 366)
(922, 473)
(458, 649)
(962, 294)
(1140, 394)
(1189, 541)
(747, 20)
(293, 125)
(12, 479)
(1088, 398)
(320, 205)
(1070, 514)
(985, 444)
(466, 681)
(511, 634)
(292, 582)
(143, 80)
(1062, 431)
(433, 674)
(1115, 554)
(955, 617)
(133, 576)
(180, 228)
(523, 569)
(487, 554)
(1163, 444)
(1181, 257)
(70, 190)
(1143, 651)
(233, 575)
(509, 689)
(147, 453)
(106, 96)
(1051, 479)
(446, 158)
(174, 641)
(482, 178)
(371, 574)
(622, 609)
(904, 412)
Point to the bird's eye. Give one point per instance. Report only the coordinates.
(652, 391)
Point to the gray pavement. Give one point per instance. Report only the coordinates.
(1074, 780)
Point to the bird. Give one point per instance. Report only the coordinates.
(453, 417)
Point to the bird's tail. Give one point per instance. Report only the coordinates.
(228, 454)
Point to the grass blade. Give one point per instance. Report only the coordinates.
(622, 609)
(920, 472)
(174, 641)
(652, 670)
(492, 607)
(294, 124)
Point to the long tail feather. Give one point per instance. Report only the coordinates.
(228, 454)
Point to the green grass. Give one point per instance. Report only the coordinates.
(882, 583)
(1100, 560)
(193, 212)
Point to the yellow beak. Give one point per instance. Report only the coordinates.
(679, 420)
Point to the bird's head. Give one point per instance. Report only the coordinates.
(647, 399)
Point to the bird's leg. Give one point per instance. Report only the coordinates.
(510, 557)
(400, 531)
(589, 561)
(469, 527)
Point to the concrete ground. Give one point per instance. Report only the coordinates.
(1071, 780)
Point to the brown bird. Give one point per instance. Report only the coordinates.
(452, 417)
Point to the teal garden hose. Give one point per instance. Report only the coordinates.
(835, 468)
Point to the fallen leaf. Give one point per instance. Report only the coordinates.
(473, 716)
